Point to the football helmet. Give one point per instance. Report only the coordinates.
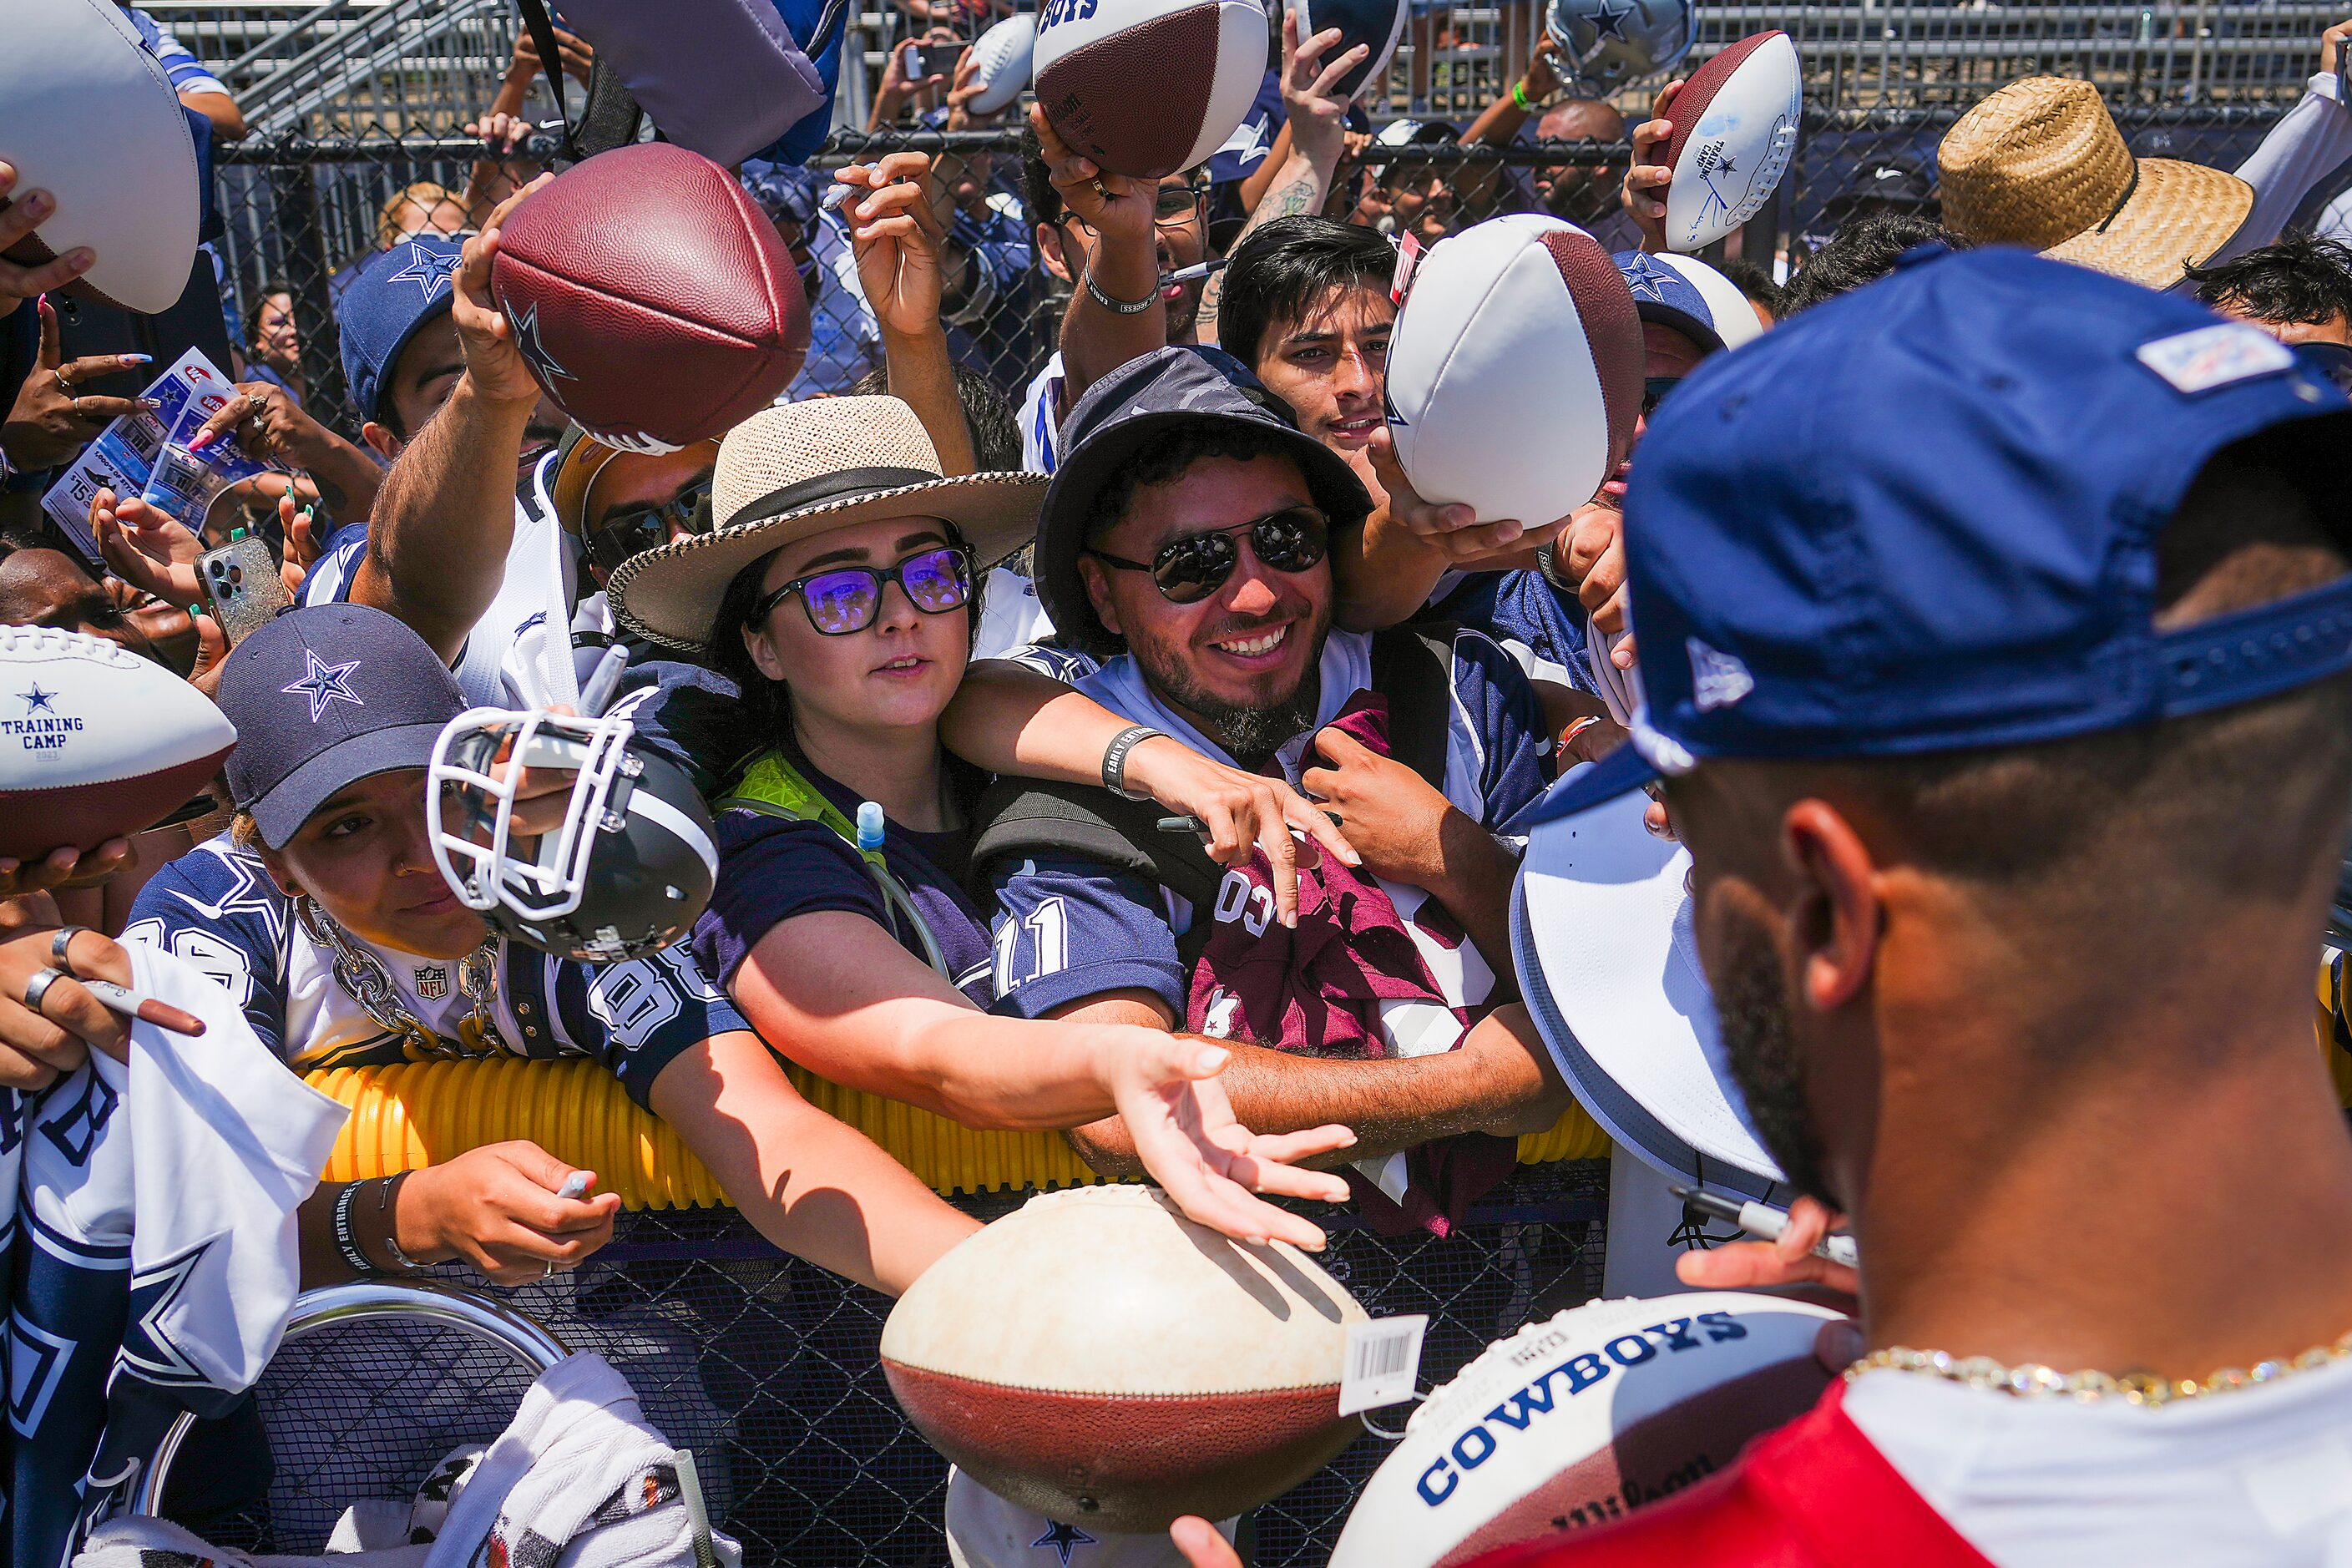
(627, 873)
(1605, 44)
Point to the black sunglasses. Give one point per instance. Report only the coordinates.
(844, 599)
(1190, 569)
(1654, 392)
(644, 527)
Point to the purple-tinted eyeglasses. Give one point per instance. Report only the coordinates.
(844, 599)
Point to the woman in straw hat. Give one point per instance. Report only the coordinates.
(839, 596)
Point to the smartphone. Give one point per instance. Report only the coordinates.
(241, 584)
(922, 60)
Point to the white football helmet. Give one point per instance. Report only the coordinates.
(1605, 44)
(627, 872)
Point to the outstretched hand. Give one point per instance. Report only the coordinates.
(1240, 812)
(493, 363)
(1166, 1089)
(1646, 176)
(897, 238)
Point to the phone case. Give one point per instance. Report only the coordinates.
(241, 583)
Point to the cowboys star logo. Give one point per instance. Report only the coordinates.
(1608, 21)
(527, 344)
(433, 981)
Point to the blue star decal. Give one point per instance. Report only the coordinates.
(428, 269)
(325, 683)
(1609, 21)
(1063, 1539)
(1727, 166)
(1649, 279)
(148, 1348)
(37, 700)
(526, 337)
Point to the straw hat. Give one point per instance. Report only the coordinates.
(804, 468)
(2041, 163)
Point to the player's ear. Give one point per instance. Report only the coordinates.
(281, 874)
(1097, 582)
(381, 441)
(1049, 251)
(762, 649)
(1836, 911)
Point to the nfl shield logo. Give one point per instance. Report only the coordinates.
(433, 981)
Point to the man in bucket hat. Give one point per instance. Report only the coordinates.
(2010, 739)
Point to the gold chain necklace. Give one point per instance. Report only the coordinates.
(2031, 1380)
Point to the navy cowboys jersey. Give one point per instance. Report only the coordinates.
(216, 908)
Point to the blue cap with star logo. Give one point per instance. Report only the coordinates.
(1686, 294)
(393, 295)
(325, 697)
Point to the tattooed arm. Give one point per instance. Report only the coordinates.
(1317, 134)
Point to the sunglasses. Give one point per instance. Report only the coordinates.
(1190, 569)
(1654, 392)
(644, 527)
(1171, 209)
(844, 599)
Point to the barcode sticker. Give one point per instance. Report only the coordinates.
(1384, 1363)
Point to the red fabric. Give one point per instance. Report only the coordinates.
(1318, 990)
(1814, 1494)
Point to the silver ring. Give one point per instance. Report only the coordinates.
(551, 1272)
(38, 987)
(63, 384)
(59, 942)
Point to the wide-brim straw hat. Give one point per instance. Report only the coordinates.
(806, 468)
(2041, 163)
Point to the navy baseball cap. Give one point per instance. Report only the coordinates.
(322, 698)
(393, 294)
(1664, 292)
(1165, 388)
(1923, 517)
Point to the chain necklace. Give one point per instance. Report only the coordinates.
(2031, 1380)
(365, 980)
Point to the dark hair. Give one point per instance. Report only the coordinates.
(1753, 281)
(2242, 803)
(269, 291)
(1038, 196)
(2300, 280)
(988, 414)
(1165, 457)
(1864, 250)
(1285, 267)
(768, 704)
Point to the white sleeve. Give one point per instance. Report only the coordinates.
(2314, 139)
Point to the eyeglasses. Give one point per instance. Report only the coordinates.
(1654, 392)
(1190, 569)
(644, 527)
(844, 599)
(1173, 208)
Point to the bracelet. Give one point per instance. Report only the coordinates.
(384, 1196)
(347, 1241)
(1519, 96)
(1114, 762)
(1117, 307)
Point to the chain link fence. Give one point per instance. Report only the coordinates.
(768, 1369)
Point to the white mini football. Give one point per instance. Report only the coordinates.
(1579, 1420)
(1735, 130)
(1001, 61)
(1375, 24)
(94, 742)
(1146, 88)
(1099, 1358)
(87, 115)
(1514, 370)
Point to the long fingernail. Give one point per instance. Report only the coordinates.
(138, 359)
(202, 440)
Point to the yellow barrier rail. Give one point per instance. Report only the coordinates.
(420, 1114)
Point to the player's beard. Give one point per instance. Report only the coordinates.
(1753, 1005)
(1252, 731)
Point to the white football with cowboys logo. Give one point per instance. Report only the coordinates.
(95, 742)
(1578, 1420)
(1735, 130)
(1146, 88)
(1002, 63)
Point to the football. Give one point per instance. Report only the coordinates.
(1514, 370)
(1097, 1357)
(87, 115)
(1378, 24)
(1203, 60)
(1735, 130)
(1580, 1419)
(651, 298)
(1002, 57)
(95, 742)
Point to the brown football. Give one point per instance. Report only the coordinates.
(1146, 88)
(651, 296)
(1097, 1357)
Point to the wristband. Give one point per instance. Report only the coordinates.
(391, 1227)
(1117, 307)
(1114, 762)
(1519, 96)
(347, 1241)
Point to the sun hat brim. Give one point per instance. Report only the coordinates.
(671, 594)
(2176, 216)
